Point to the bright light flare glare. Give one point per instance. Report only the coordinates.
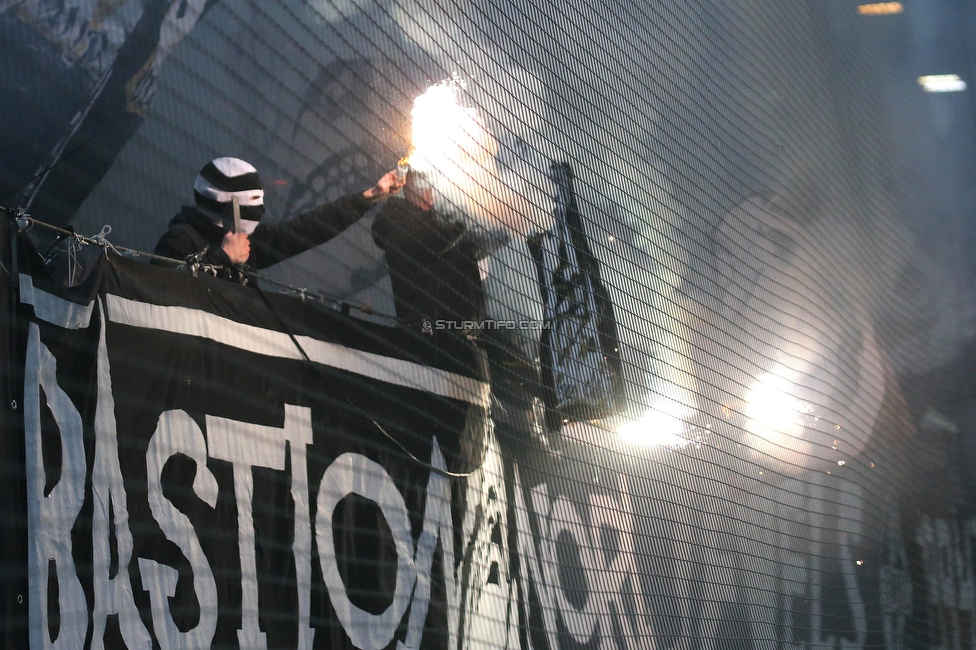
(447, 137)
(942, 83)
(661, 425)
(880, 9)
(773, 411)
(453, 154)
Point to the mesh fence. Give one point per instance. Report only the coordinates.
(728, 391)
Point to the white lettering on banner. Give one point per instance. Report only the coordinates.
(355, 474)
(177, 433)
(437, 525)
(614, 514)
(483, 600)
(566, 529)
(488, 595)
(249, 445)
(51, 308)
(607, 566)
(112, 595)
(530, 555)
(298, 439)
(50, 518)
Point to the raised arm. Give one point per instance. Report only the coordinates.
(274, 243)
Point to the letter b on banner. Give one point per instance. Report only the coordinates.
(51, 517)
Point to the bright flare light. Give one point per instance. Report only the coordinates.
(662, 424)
(454, 152)
(880, 9)
(449, 138)
(774, 412)
(942, 83)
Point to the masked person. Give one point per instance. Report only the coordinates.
(204, 232)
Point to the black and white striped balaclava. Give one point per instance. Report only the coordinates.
(220, 180)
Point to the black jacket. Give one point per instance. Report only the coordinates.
(191, 232)
(433, 266)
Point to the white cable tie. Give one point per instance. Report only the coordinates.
(100, 237)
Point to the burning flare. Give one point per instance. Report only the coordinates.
(454, 153)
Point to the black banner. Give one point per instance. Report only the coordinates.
(230, 492)
(194, 481)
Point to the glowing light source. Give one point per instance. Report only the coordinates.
(773, 411)
(942, 83)
(880, 9)
(449, 138)
(662, 424)
(454, 153)
(781, 409)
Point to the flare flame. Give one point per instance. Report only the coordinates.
(455, 154)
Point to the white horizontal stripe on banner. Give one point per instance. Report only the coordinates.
(52, 309)
(194, 322)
